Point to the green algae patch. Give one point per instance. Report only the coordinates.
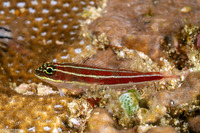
(130, 101)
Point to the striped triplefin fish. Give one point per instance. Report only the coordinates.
(5, 33)
(70, 75)
(5, 37)
(8, 41)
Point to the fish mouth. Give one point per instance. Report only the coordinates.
(37, 72)
(39, 75)
(36, 75)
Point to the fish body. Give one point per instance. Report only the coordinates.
(5, 33)
(70, 75)
(7, 39)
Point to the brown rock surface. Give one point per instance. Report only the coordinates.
(162, 130)
(194, 124)
(142, 25)
(187, 93)
(100, 121)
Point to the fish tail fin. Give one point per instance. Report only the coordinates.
(172, 75)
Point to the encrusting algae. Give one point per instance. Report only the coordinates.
(130, 101)
(115, 35)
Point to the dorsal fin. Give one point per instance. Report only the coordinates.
(105, 59)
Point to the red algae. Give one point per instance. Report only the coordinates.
(93, 101)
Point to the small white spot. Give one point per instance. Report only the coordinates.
(75, 26)
(45, 24)
(59, 21)
(6, 4)
(20, 38)
(65, 57)
(32, 129)
(72, 38)
(46, 128)
(78, 50)
(44, 2)
(43, 33)
(45, 11)
(82, 2)
(72, 33)
(53, 2)
(50, 17)
(54, 60)
(55, 130)
(35, 28)
(59, 42)
(74, 121)
(21, 4)
(49, 41)
(12, 11)
(2, 12)
(39, 19)
(92, 2)
(65, 26)
(122, 54)
(54, 33)
(75, 8)
(65, 14)
(30, 70)
(81, 42)
(31, 10)
(64, 50)
(34, 2)
(28, 22)
(60, 129)
(66, 5)
(58, 106)
(57, 10)
(88, 47)
(10, 64)
(32, 37)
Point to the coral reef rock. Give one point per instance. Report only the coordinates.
(162, 130)
(194, 124)
(142, 25)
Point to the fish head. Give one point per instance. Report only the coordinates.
(46, 71)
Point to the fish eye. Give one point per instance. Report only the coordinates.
(49, 70)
